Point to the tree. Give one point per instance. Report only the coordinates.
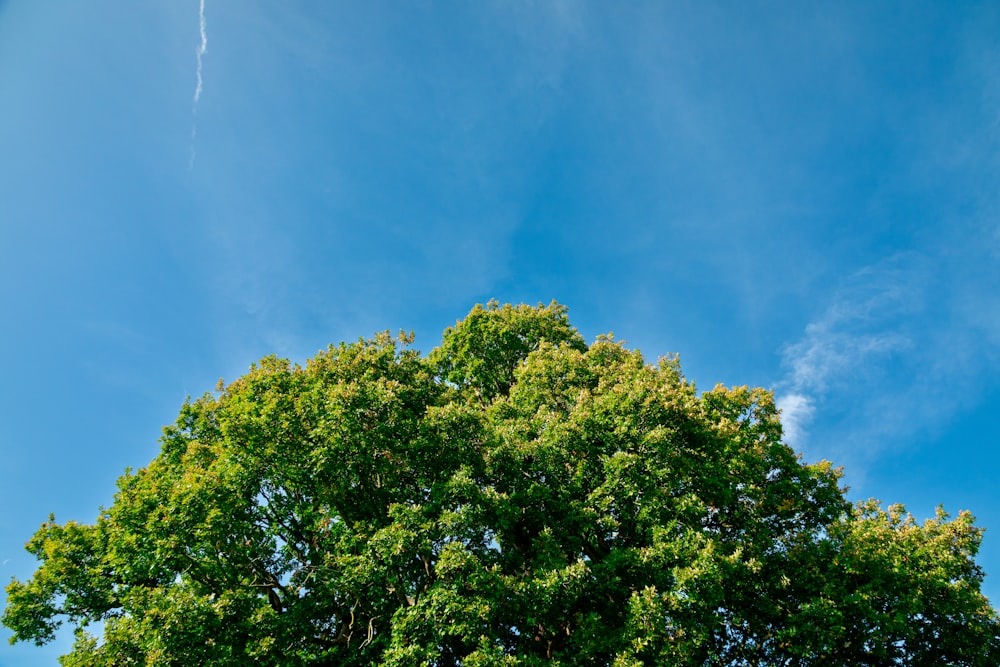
(516, 497)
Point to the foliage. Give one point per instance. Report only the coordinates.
(515, 497)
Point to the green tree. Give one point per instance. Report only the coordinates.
(516, 497)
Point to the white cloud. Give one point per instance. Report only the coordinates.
(901, 349)
(796, 413)
(199, 85)
(826, 354)
(202, 48)
(867, 323)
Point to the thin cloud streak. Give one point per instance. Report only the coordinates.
(199, 86)
(202, 48)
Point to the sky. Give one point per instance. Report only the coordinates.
(803, 196)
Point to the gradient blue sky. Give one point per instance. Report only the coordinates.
(804, 196)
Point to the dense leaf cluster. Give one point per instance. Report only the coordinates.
(516, 497)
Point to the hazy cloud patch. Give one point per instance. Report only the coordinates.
(868, 323)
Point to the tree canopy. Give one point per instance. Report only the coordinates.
(515, 497)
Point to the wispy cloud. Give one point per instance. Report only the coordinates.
(202, 48)
(199, 84)
(866, 324)
(899, 351)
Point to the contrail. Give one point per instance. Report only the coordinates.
(202, 48)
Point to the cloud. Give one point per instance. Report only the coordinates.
(868, 322)
(901, 349)
(796, 412)
(826, 353)
(202, 48)
(199, 85)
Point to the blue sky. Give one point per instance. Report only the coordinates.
(802, 196)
